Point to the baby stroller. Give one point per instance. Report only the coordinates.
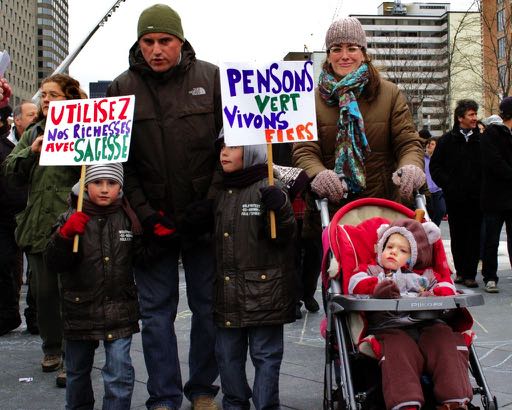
(352, 378)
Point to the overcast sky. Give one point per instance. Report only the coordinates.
(219, 30)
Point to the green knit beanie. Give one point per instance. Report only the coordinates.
(160, 18)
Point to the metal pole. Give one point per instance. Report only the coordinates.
(71, 56)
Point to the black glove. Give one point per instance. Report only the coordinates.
(198, 217)
(272, 197)
(160, 225)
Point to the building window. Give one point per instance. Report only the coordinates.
(500, 17)
(501, 48)
(502, 70)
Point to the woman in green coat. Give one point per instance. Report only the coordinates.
(49, 187)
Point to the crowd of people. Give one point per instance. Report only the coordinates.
(183, 195)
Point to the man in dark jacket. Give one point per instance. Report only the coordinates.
(455, 168)
(10, 203)
(177, 118)
(496, 200)
(24, 115)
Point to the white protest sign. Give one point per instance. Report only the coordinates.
(268, 103)
(88, 131)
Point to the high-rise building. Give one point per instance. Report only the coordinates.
(52, 36)
(18, 28)
(98, 89)
(424, 49)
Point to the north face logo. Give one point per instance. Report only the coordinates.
(197, 91)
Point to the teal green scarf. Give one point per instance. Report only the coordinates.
(351, 143)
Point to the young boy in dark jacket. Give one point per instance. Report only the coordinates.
(99, 297)
(254, 284)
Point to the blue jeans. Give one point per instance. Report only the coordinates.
(266, 349)
(158, 297)
(118, 374)
(493, 225)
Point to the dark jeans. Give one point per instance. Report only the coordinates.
(45, 286)
(30, 311)
(9, 277)
(493, 225)
(438, 207)
(464, 220)
(118, 374)
(158, 287)
(265, 345)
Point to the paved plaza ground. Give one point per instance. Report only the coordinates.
(301, 381)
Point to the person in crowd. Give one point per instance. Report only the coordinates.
(496, 194)
(455, 167)
(437, 203)
(49, 187)
(408, 347)
(24, 115)
(367, 142)
(11, 202)
(492, 119)
(99, 299)
(168, 178)
(255, 278)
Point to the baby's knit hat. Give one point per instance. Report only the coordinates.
(112, 171)
(421, 237)
(347, 30)
(160, 18)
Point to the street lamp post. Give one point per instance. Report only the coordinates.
(71, 56)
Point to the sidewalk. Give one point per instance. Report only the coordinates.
(301, 382)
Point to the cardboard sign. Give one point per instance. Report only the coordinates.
(89, 131)
(268, 104)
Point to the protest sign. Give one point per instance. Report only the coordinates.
(268, 103)
(88, 131)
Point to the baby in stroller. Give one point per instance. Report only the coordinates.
(406, 346)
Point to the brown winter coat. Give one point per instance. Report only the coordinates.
(391, 135)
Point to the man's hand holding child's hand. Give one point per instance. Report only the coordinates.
(386, 289)
(160, 225)
(75, 225)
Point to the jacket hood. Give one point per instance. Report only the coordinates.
(137, 62)
(254, 155)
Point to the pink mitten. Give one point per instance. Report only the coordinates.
(328, 185)
(386, 289)
(408, 178)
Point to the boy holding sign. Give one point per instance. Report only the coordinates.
(254, 286)
(99, 297)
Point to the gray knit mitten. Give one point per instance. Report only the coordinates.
(408, 178)
(328, 185)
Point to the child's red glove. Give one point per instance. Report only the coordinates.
(75, 225)
(386, 289)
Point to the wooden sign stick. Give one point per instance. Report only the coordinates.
(79, 203)
(270, 183)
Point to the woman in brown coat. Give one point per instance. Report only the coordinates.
(367, 143)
